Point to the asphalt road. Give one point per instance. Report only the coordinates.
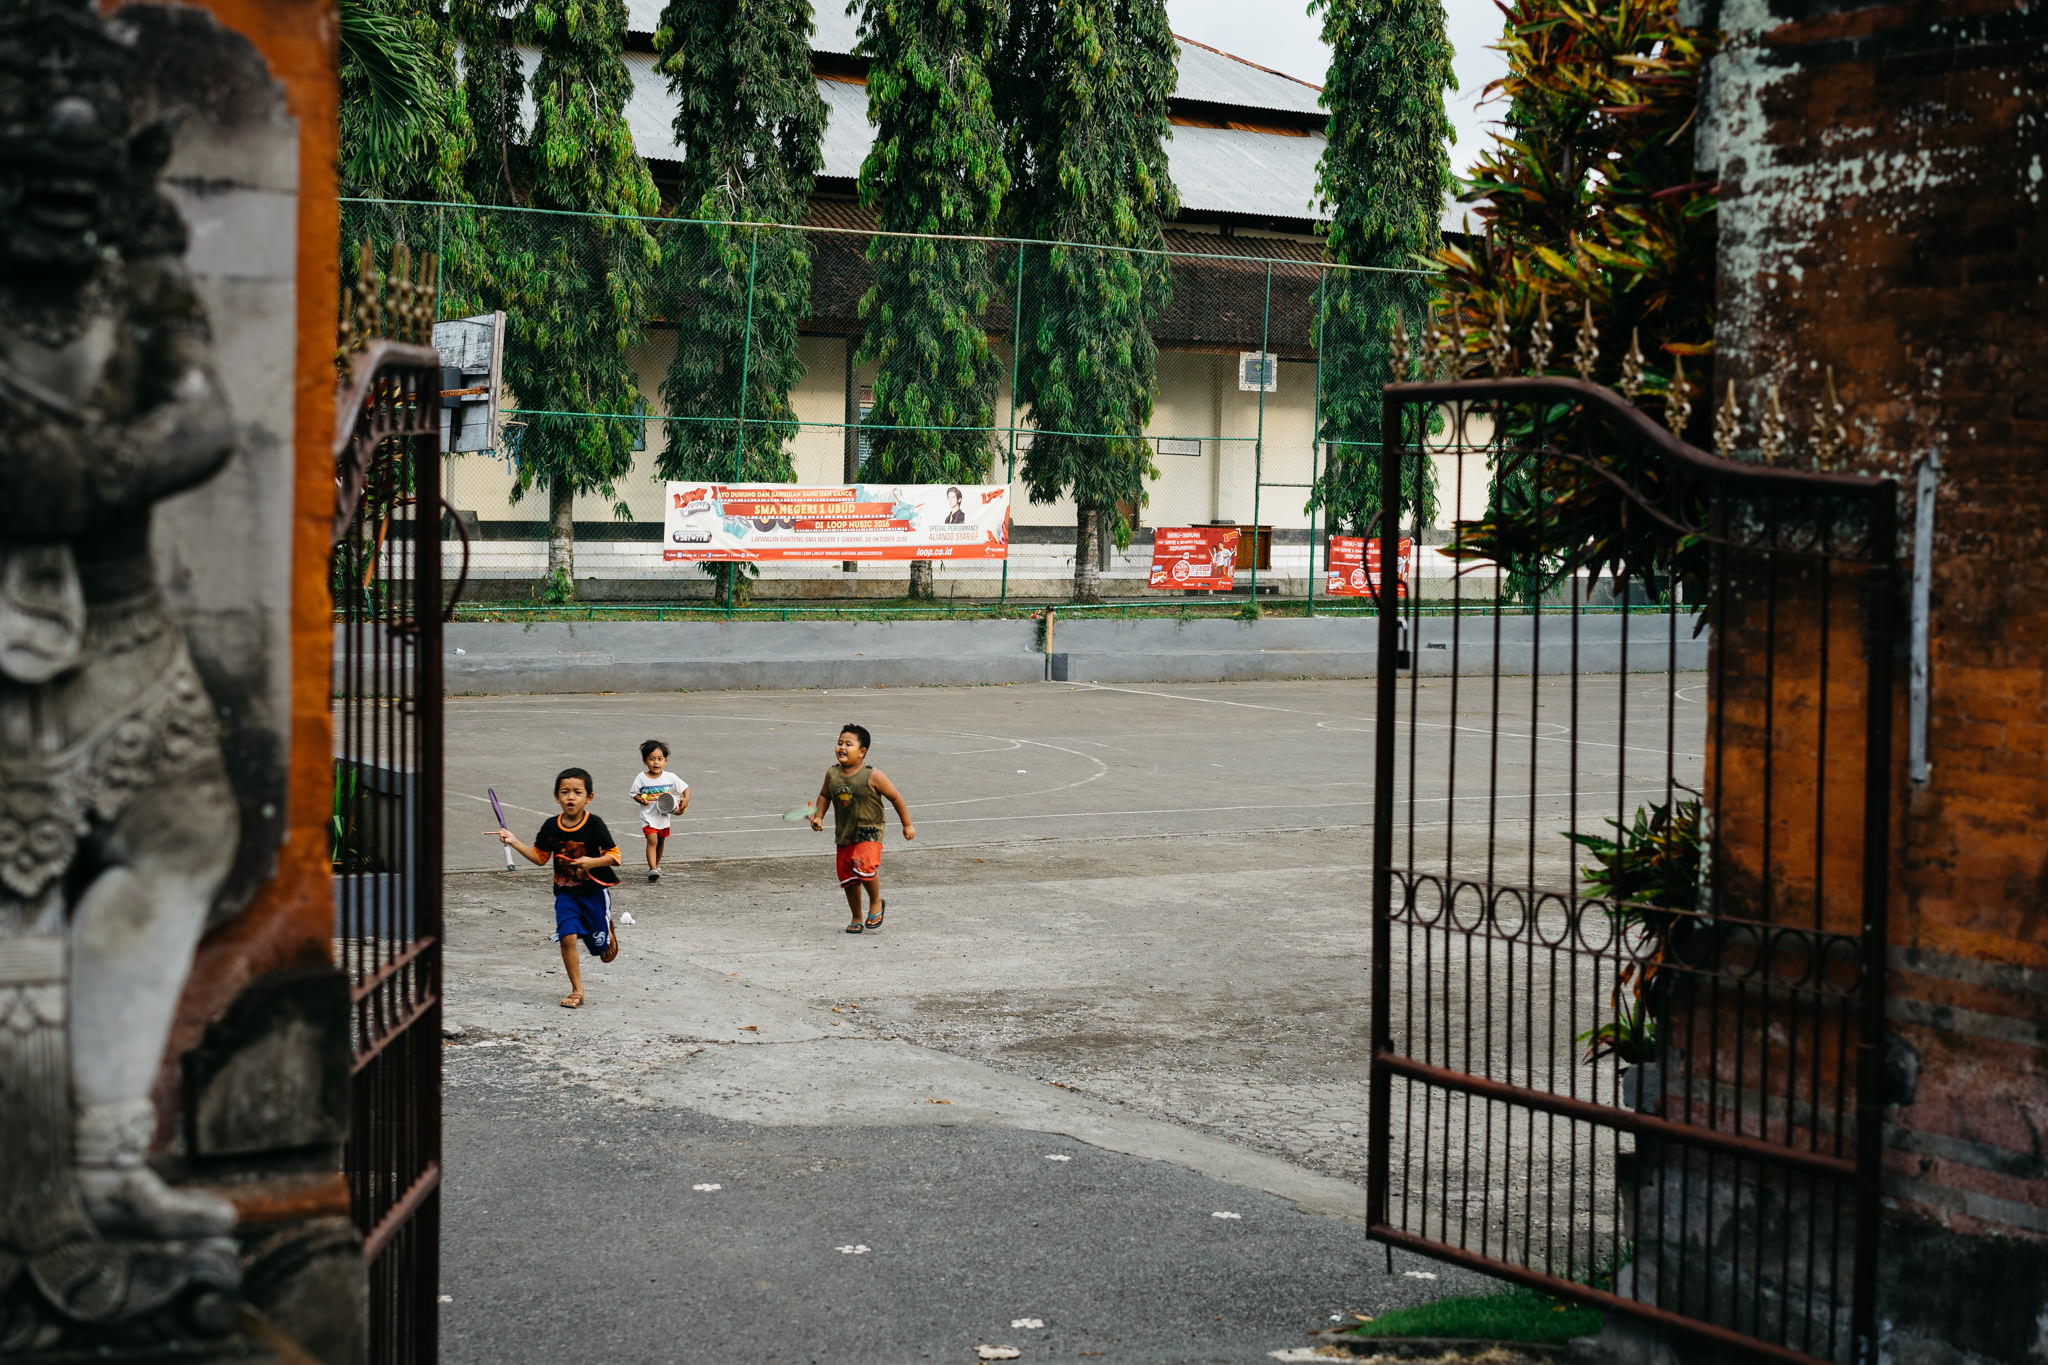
(1133, 930)
(576, 1228)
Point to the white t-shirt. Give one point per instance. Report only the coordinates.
(650, 816)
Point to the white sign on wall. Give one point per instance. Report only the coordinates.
(1258, 371)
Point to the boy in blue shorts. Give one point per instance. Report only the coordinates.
(584, 854)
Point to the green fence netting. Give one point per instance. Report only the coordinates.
(661, 347)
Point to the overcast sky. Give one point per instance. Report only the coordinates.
(1281, 35)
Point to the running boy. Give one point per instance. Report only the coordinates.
(584, 855)
(855, 793)
(647, 789)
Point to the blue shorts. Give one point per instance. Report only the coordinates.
(586, 912)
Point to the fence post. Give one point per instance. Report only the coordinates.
(440, 256)
(1010, 475)
(1315, 435)
(739, 442)
(1259, 443)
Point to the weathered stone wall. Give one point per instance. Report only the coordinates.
(253, 1091)
(1882, 171)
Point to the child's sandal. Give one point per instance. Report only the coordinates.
(572, 1001)
(875, 920)
(854, 927)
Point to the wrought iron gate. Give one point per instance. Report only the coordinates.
(1629, 866)
(387, 586)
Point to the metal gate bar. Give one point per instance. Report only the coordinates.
(1629, 878)
(386, 580)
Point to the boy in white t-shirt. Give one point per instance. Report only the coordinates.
(648, 787)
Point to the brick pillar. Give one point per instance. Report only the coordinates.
(1882, 174)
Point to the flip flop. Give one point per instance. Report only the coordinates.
(611, 950)
(853, 928)
(874, 921)
(572, 1001)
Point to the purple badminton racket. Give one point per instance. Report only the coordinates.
(499, 811)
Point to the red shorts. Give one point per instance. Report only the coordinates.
(859, 862)
(657, 833)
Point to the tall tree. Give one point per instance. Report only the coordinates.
(1384, 178)
(937, 167)
(750, 122)
(575, 290)
(1085, 91)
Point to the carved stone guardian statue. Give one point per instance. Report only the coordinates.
(117, 824)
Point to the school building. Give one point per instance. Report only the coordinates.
(1234, 440)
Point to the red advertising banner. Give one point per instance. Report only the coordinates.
(1355, 567)
(1196, 557)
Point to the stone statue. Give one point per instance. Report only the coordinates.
(117, 823)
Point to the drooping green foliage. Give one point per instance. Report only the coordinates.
(1084, 91)
(936, 167)
(750, 123)
(576, 291)
(1590, 198)
(1384, 178)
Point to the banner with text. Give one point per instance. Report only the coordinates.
(768, 522)
(1355, 567)
(1195, 557)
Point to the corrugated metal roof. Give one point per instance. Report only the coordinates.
(1228, 171)
(651, 114)
(1218, 77)
(833, 29)
(848, 134)
(650, 110)
(1216, 169)
(1205, 73)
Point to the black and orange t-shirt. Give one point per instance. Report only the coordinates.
(587, 839)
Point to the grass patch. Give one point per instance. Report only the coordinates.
(896, 609)
(902, 609)
(1511, 1315)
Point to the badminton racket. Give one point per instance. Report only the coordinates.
(800, 813)
(499, 811)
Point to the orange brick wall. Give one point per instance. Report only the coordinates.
(1882, 178)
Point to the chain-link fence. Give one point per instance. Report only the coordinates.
(660, 348)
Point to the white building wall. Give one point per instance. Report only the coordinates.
(1197, 400)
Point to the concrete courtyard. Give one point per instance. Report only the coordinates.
(1121, 992)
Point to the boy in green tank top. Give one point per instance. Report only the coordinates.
(854, 793)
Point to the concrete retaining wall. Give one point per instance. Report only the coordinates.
(1348, 647)
(704, 656)
(670, 656)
